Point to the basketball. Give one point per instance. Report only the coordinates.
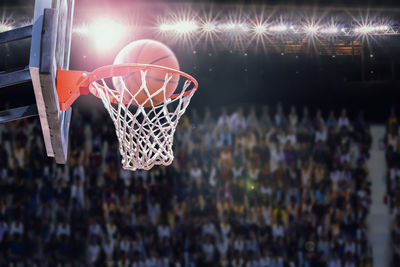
(147, 52)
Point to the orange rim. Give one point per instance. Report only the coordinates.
(110, 71)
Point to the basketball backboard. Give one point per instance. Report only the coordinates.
(50, 49)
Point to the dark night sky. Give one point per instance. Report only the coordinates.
(261, 78)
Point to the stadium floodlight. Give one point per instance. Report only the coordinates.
(181, 27)
(233, 27)
(82, 30)
(209, 27)
(242, 27)
(165, 27)
(382, 28)
(5, 27)
(278, 28)
(106, 33)
(311, 29)
(185, 26)
(330, 30)
(7, 23)
(365, 29)
(227, 26)
(260, 29)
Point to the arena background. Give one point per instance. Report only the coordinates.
(258, 78)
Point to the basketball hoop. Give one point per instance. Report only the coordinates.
(145, 130)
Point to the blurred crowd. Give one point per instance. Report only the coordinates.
(392, 142)
(255, 188)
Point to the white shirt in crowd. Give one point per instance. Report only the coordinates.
(95, 229)
(108, 248)
(237, 171)
(223, 121)
(196, 173)
(335, 176)
(78, 192)
(124, 245)
(276, 158)
(278, 230)
(265, 261)
(208, 250)
(266, 190)
(154, 211)
(152, 262)
(350, 246)
(345, 158)
(79, 171)
(111, 230)
(94, 251)
(208, 229)
(267, 216)
(334, 263)
(163, 231)
(16, 228)
(320, 136)
(238, 245)
(291, 138)
(212, 180)
(223, 248)
(63, 229)
(343, 121)
(225, 229)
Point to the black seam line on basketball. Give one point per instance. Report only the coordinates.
(134, 78)
(159, 80)
(136, 81)
(159, 59)
(140, 51)
(151, 62)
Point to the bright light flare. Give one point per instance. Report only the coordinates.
(185, 27)
(5, 27)
(6, 24)
(165, 27)
(106, 33)
(180, 27)
(209, 27)
(82, 30)
(227, 26)
(278, 28)
(330, 30)
(311, 29)
(366, 29)
(233, 27)
(260, 29)
(382, 28)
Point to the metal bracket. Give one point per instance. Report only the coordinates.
(15, 77)
(18, 113)
(16, 34)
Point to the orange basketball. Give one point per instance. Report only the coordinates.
(147, 52)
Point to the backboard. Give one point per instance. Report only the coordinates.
(50, 49)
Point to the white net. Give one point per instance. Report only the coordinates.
(145, 130)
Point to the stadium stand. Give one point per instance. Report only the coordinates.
(244, 190)
(393, 181)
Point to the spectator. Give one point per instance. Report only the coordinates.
(242, 191)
